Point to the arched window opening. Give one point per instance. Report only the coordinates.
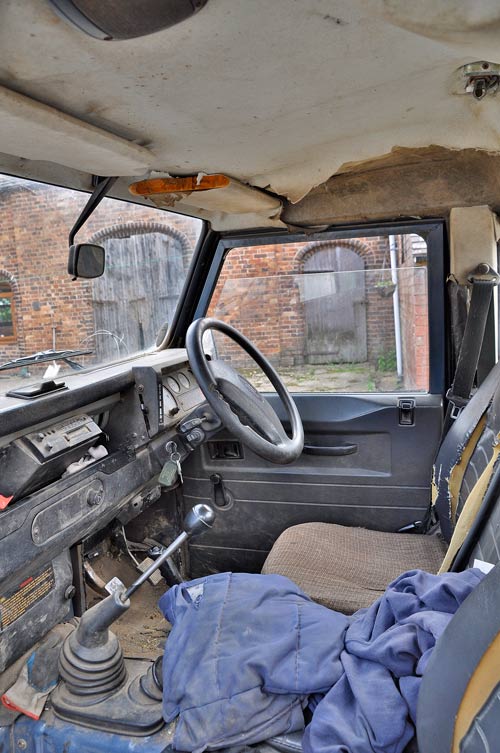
(135, 300)
(7, 321)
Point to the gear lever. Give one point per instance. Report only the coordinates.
(198, 520)
(91, 662)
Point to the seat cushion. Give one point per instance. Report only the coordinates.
(348, 568)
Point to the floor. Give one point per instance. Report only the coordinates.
(142, 630)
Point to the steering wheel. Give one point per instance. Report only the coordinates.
(242, 409)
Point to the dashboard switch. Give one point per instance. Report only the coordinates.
(195, 437)
(191, 423)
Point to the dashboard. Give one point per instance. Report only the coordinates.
(73, 461)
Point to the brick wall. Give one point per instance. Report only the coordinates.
(379, 308)
(34, 224)
(413, 302)
(276, 328)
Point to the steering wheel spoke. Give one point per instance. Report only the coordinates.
(240, 407)
(246, 403)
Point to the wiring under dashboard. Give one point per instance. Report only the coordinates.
(128, 550)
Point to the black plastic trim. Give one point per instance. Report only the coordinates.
(71, 14)
(25, 415)
(194, 285)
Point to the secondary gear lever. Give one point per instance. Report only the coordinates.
(91, 662)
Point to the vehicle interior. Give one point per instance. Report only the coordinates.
(248, 323)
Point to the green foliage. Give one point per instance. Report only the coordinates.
(387, 361)
(371, 386)
(5, 310)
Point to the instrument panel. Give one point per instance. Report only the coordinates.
(181, 389)
(131, 410)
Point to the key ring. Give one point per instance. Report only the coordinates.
(175, 457)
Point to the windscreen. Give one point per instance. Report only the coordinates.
(51, 325)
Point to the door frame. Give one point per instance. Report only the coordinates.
(434, 233)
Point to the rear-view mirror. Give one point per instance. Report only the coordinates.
(86, 260)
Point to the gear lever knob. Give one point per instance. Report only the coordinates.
(198, 520)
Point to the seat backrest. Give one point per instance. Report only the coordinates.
(459, 698)
(466, 452)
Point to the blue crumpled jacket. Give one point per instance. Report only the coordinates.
(247, 652)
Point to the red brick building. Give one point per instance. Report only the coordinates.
(273, 309)
(48, 309)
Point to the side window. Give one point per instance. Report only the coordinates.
(7, 318)
(332, 316)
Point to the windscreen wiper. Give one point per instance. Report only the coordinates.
(43, 356)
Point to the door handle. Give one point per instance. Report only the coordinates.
(341, 449)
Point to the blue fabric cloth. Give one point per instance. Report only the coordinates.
(247, 652)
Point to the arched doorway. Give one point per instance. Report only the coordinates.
(335, 304)
(137, 295)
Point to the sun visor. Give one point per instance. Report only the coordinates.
(35, 131)
(474, 232)
(225, 201)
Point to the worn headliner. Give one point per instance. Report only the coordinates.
(280, 94)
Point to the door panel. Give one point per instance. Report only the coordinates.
(382, 484)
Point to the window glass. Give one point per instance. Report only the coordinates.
(42, 311)
(332, 316)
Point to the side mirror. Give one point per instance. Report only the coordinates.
(86, 260)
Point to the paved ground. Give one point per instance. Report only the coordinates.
(359, 377)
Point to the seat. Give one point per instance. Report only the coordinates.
(347, 568)
(335, 565)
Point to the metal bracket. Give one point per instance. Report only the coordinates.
(484, 272)
(115, 586)
(481, 78)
